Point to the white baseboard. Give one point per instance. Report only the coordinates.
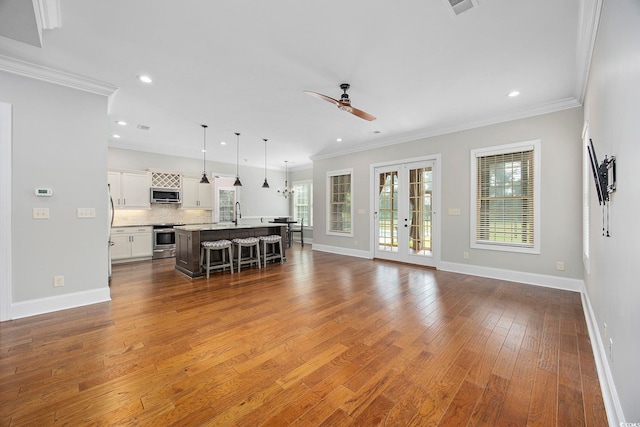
(59, 302)
(342, 251)
(610, 397)
(567, 284)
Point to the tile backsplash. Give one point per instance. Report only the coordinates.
(161, 214)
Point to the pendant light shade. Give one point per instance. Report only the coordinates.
(204, 179)
(286, 192)
(237, 182)
(266, 184)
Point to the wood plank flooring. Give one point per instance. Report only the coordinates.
(322, 340)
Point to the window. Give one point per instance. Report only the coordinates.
(505, 185)
(303, 202)
(339, 203)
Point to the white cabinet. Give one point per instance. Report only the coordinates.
(130, 243)
(196, 195)
(130, 189)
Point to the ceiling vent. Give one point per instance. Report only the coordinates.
(459, 6)
(143, 127)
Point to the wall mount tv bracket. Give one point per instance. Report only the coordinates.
(604, 177)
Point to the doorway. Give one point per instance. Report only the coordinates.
(406, 196)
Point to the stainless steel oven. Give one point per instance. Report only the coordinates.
(164, 241)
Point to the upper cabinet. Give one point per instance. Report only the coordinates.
(196, 195)
(130, 189)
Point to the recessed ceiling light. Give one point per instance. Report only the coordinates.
(144, 78)
(223, 143)
(115, 135)
(203, 150)
(514, 93)
(339, 139)
(121, 122)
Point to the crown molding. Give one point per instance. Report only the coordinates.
(590, 11)
(40, 72)
(550, 107)
(48, 14)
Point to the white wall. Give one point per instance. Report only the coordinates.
(60, 142)
(561, 192)
(255, 200)
(612, 109)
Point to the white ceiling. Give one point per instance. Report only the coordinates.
(242, 66)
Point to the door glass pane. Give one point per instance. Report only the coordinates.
(226, 205)
(388, 211)
(420, 196)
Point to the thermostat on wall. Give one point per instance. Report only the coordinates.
(44, 192)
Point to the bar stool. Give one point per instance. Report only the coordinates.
(273, 240)
(251, 243)
(217, 245)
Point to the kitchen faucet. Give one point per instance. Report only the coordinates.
(237, 213)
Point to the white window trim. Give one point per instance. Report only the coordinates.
(504, 149)
(328, 202)
(586, 199)
(308, 182)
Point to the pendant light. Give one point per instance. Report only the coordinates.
(204, 179)
(237, 183)
(286, 192)
(266, 184)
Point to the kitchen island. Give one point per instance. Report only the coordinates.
(189, 237)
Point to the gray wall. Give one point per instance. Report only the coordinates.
(560, 135)
(59, 142)
(612, 109)
(255, 200)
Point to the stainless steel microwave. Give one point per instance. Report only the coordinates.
(166, 195)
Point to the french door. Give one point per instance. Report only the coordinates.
(404, 203)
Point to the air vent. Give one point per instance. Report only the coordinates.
(143, 127)
(459, 6)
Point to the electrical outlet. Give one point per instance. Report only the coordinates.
(355, 243)
(465, 255)
(40, 213)
(560, 266)
(454, 211)
(58, 281)
(86, 213)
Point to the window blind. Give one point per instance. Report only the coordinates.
(504, 203)
(340, 203)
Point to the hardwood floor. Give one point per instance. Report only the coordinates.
(320, 340)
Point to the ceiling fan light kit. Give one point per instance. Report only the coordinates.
(344, 103)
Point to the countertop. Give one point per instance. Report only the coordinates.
(226, 226)
(148, 225)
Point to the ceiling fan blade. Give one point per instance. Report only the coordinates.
(325, 97)
(361, 114)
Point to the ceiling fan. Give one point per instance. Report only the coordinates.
(344, 103)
